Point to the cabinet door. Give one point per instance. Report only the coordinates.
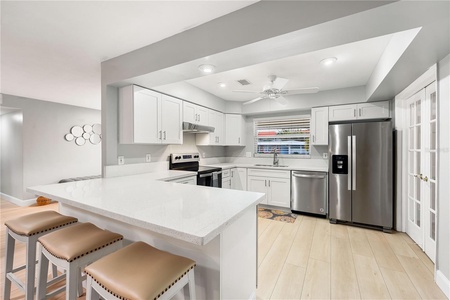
(373, 110)
(319, 126)
(220, 129)
(239, 179)
(202, 115)
(342, 112)
(146, 118)
(279, 192)
(234, 130)
(226, 183)
(258, 184)
(171, 120)
(189, 114)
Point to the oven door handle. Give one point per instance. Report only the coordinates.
(205, 175)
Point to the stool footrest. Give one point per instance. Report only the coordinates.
(13, 278)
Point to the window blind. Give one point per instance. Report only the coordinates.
(286, 136)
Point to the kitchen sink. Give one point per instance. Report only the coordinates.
(263, 165)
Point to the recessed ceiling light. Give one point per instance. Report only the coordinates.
(328, 61)
(207, 69)
(222, 84)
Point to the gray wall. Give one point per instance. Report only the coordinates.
(443, 246)
(11, 158)
(47, 157)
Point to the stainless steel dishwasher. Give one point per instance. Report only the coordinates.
(309, 192)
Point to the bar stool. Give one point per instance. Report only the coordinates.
(72, 249)
(28, 229)
(140, 272)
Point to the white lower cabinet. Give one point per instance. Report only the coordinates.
(276, 184)
(226, 179)
(239, 179)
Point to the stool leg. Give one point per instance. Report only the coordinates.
(42, 275)
(31, 268)
(72, 279)
(10, 243)
(91, 293)
(191, 283)
(80, 283)
(54, 271)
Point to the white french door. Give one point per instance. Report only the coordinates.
(422, 168)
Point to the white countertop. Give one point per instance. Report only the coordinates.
(191, 213)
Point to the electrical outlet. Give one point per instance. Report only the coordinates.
(148, 157)
(325, 155)
(121, 160)
(203, 154)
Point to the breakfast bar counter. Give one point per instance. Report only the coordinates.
(215, 227)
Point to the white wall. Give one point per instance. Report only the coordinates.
(47, 156)
(443, 246)
(11, 162)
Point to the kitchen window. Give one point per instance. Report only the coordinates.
(288, 136)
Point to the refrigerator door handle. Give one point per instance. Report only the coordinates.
(349, 181)
(354, 162)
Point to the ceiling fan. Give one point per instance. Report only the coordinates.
(275, 91)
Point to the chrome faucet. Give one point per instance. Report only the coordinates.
(275, 158)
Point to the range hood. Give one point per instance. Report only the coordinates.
(197, 128)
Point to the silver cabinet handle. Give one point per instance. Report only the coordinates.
(308, 176)
(164, 134)
(354, 112)
(360, 112)
(199, 117)
(265, 182)
(314, 138)
(160, 134)
(268, 182)
(239, 140)
(354, 161)
(205, 175)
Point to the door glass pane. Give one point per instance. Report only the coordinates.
(418, 111)
(417, 169)
(418, 214)
(433, 195)
(411, 186)
(411, 162)
(433, 136)
(433, 106)
(411, 114)
(417, 137)
(417, 189)
(411, 138)
(411, 209)
(433, 165)
(432, 226)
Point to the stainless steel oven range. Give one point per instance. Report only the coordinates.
(206, 176)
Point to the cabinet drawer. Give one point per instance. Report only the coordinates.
(226, 173)
(269, 173)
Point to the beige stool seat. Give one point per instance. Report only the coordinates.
(73, 248)
(139, 271)
(28, 229)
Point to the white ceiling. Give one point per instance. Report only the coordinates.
(354, 66)
(52, 50)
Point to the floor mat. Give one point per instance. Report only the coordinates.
(277, 215)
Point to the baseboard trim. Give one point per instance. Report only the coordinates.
(17, 201)
(443, 283)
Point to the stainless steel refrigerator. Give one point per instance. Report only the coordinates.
(361, 174)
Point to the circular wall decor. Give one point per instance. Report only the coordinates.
(80, 141)
(76, 131)
(69, 137)
(95, 139)
(87, 128)
(97, 128)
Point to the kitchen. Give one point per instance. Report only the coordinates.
(136, 154)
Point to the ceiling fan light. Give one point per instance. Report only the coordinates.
(328, 61)
(207, 69)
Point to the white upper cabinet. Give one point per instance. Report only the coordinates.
(362, 111)
(196, 114)
(148, 117)
(319, 126)
(234, 130)
(216, 138)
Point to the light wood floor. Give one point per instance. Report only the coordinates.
(314, 259)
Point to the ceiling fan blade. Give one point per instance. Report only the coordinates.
(279, 83)
(245, 91)
(253, 101)
(281, 100)
(310, 90)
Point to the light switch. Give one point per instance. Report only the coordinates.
(121, 160)
(148, 157)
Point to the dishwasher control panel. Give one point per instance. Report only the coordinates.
(339, 164)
